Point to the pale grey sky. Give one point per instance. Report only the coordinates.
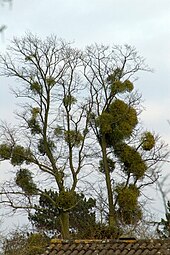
(144, 24)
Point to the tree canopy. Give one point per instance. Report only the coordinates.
(79, 114)
(82, 215)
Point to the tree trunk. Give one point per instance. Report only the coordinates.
(64, 220)
(112, 223)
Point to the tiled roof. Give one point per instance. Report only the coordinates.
(109, 247)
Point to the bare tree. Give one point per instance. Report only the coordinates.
(129, 157)
(49, 144)
(78, 112)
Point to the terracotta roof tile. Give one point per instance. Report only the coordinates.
(109, 247)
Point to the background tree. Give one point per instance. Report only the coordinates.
(127, 155)
(48, 146)
(22, 243)
(163, 227)
(82, 216)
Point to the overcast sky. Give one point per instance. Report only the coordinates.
(144, 24)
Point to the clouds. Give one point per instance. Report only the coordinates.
(144, 24)
(87, 21)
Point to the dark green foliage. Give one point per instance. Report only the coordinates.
(163, 227)
(148, 141)
(28, 58)
(124, 119)
(35, 111)
(36, 244)
(29, 158)
(69, 100)
(82, 216)
(33, 123)
(130, 216)
(103, 231)
(58, 131)
(111, 165)
(128, 85)
(116, 75)
(129, 210)
(44, 146)
(118, 122)
(47, 206)
(73, 138)
(118, 87)
(131, 159)
(34, 126)
(35, 87)
(25, 181)
(66, 199)
(105, 122)
(51, 81)
(5, 151)
(18, 155)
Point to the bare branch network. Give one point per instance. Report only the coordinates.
(78, 118)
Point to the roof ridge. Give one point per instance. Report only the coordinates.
(108, 246)
(126, 240)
